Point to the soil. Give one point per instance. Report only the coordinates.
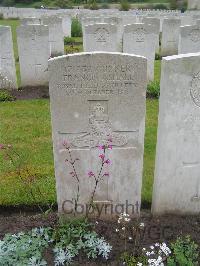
(30, 93)
(157, 229)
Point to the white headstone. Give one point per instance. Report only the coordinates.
(100, 37)
(177, 180)
(189, 39)
(33, 48)
(7, 61)
(66, 25)
(170, 36)
(56, 39)
(155, 22)
(30, 21)
(96, 96)
(140, 39)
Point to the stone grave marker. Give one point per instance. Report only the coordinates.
(177, 170)
(170, 36)
(140, 39)
(33, 48)
(96, 96)
(189, 39)
(7, 62)
(56, 39)
(100, 37)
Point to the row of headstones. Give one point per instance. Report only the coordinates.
(97, 96)
(37, 40)
(36, 43)
(13, 12)
(142, 38)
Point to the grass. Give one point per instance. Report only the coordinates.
(26, 125)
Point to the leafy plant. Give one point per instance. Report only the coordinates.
(153, 89)
(124, 5)
(76, 29)
(5, 96)
(66, 240)
(184, 252)
(25, 248)
(68, 40)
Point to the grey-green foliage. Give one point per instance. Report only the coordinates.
(25, 248)
(66, 241)
(184, 252)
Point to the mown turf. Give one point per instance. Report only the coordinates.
(26, 125)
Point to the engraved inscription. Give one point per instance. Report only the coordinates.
(102, 35)
(109, 79)
(140, 34)
(195, 35)
(99, 129)
(195, 89)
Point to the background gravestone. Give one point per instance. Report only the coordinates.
(33, 48)
(92, 96)
(56, 39)
(7, 62)
(177, 171)
(189, 39)
(170, 36)
(100, 37)
(140, 39)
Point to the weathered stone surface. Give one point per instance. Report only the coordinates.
(155, 22)
(170, 36)
(100, 37)
(189, 39)
(66, 25)
(7, 61)
(140, 39)
(30, 21)
(33, 48)
(56, 40)
(177, 181)
(95, 96)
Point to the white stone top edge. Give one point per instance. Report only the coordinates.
(99, 23)
(92, 53)
(173, 57)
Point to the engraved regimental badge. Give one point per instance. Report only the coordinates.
(195, 35)
(101, 35)
(98, 131)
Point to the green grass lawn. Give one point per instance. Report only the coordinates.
(26, 125)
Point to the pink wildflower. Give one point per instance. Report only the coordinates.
(106, 174)
(110, 147)
(102, 156)
(107, 161)
(90, 174)
(101, 147)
